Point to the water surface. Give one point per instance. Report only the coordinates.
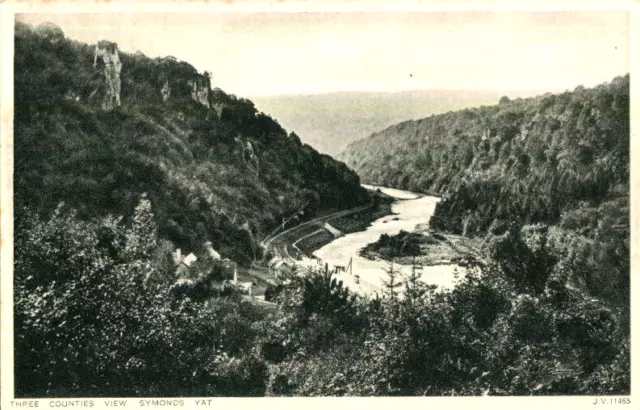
(410, 210)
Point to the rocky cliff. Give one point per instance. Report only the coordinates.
(107, 58)
(165, 91)
(172, 80)
(200, 87)
(211, 174)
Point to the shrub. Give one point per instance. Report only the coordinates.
(95, 316)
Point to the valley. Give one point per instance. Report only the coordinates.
(172, 240)
(330, 122)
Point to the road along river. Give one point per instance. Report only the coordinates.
(410, 209)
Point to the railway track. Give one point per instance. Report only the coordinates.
(278, 243)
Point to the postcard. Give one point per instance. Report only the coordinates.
(311, 203)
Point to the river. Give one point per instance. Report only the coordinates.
(410, 209)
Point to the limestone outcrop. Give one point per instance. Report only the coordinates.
(217, 108)
(249, 156)
(165, 91)
(200, 88)
(106, 56)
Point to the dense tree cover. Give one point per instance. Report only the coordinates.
(97, 313)
(558, 160)
(226, 176)
(502, 331)
(573, 145)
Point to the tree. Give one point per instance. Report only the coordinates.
(88, 322)
(391, 284)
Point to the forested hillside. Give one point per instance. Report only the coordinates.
(213, 167)
(119, 159)
(553, 160)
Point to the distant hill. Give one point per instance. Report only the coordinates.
(329, 122)
(96, 128)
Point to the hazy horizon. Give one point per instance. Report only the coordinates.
(330, 121)
(523, 93)
(267, 54)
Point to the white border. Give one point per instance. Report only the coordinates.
(7, 11)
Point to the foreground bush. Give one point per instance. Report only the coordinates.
(95, 316)
(503, 331)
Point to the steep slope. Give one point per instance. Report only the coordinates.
(560, 160)
(96, 128)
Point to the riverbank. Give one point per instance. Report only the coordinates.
(360, 221)
(364, 276)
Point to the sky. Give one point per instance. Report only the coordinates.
(251, 54)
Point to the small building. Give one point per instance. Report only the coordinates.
(229, 269)
(279, 266)
(189, 260)
(245, 287)
(183, 264)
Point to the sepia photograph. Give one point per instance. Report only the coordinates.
(318, 203)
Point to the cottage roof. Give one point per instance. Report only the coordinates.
(189, 259)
